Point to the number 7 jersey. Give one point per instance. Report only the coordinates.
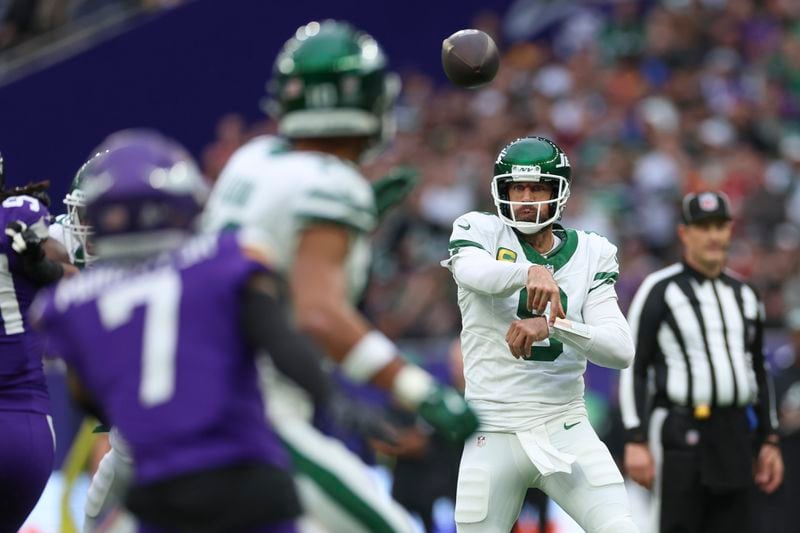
(160, 348)
(511, 394)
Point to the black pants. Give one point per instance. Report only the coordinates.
(222, 500)
(707, 473)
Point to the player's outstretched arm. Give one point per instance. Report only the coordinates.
(477, 271)
(266, 327)
(318, 288)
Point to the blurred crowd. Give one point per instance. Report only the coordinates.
(21, 20)
(650, 100)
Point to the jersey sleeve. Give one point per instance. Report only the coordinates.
(472, 264)
(336, 196)
(468, 232)
(605, 271)
(29, 210)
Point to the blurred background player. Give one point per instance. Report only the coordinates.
(114, 471)
(71, 228)
(332, 96)
(183, 317)
(537, 302)
(27, 443)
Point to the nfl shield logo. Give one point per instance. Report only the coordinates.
(481, 441)
(708, 202)
(549, 268)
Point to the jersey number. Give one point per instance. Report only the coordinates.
(19, 201)
(160, 294)
(541, 353)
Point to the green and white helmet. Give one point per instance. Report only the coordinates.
(76, 231)
(331, 80)
(531, 159)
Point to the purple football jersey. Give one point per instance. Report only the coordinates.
(22, 383)
(160, 348)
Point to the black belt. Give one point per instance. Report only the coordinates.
(703, 411)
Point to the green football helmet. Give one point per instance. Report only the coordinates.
(531, 159)
(331, 80)
(76, 230)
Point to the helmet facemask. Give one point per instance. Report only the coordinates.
(76, 231)
(332, 81)
(506, 208)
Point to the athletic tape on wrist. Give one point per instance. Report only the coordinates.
(372, 353)
(412, 385)
(575, 328)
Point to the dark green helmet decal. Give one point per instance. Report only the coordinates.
(531, 159)
(331, 80)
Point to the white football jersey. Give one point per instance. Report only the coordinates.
(511, 394)
(276, 192)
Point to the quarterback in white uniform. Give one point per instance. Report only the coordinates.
(304, 197)
(537, 301)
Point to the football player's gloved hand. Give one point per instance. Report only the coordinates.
(24, 240)
(393, 188)
(365, 420)
(448, 413)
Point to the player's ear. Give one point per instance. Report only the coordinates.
(682, 229)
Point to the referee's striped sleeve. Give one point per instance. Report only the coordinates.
(765, 403)
(644, 316)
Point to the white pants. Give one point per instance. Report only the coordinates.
(496, 472)
(109, 483)
(337, 490)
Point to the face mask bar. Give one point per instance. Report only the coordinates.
(503, 205)
(76, 233)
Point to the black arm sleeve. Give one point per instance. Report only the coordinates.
(42, 271)
(266, 327)
(765, 408)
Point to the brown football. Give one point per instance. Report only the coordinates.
(470, 58)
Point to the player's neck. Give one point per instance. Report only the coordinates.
(347, 149)
(542, 241)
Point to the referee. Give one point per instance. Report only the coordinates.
(700, 419)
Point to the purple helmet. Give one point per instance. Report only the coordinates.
(143, 193)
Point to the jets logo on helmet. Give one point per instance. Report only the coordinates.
(531, 159)
(331, 80)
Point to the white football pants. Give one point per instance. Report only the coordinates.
(496, 472)
(337, 490)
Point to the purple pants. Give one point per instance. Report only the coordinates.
(26, 461)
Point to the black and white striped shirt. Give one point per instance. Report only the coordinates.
(698, 342)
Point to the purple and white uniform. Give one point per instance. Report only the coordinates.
(22, 383)
(26, 439)
(159, 347)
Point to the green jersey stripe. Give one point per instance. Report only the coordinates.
(606, 275)
(309, 219)
(463, 243)
(343, 200)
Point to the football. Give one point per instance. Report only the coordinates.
(470, 58)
